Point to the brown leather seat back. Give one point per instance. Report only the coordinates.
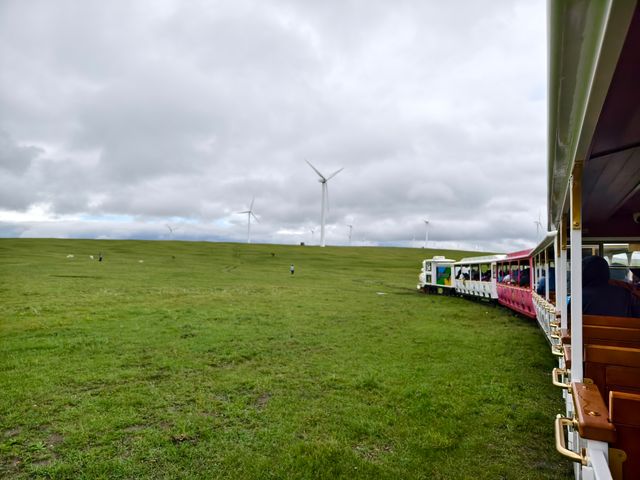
(624, 413)
(612, 368)
(604, 321)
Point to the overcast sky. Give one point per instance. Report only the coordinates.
(118, 118)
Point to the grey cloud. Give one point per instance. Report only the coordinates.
(16, 158)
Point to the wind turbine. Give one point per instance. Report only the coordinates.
(249, 215)
(426, 236)
(325, 193)
(170, 232)
(538, 227)
(350, 230)
(313, 231)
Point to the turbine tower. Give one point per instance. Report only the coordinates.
(325, 193)
(249, 215)
(426, 236)
(538, 227)
(350, 230)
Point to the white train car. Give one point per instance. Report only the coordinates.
(476, 276)
(436, 275)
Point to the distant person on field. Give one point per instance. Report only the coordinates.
(292, 269)
(599, 297)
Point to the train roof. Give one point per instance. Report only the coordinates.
(518, 255)
(481, 259)
(439, 258)
(545, 243)
(594, 114)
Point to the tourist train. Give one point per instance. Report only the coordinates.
(593, 208)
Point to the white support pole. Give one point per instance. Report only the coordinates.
(561, 274)
(598, 455)
(576, 274)
(547, 280)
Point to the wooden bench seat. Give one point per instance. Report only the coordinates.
(605, 321)
(617, 422)
(613, 368)
(605, 335)
(624, 414)
(605, 330)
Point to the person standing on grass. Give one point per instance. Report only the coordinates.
(292, 269)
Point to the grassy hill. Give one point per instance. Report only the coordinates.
(205, 360)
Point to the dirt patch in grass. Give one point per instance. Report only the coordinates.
(54, 440)
(44, 462)
(263, 400)
(183, 438)
(10, 466)
(12, 432)
(135, 428)
(372, 453)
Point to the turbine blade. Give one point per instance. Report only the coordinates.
(316, 170)
(254, 217)
(251, 206)
(246, 211)
(334, 174)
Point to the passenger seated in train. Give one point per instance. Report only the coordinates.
(524, 279)
(542, 283)
(599, 297)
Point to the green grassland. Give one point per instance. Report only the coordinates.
(206, 360)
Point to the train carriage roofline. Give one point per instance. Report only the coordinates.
(545, 243)
(439, 259)
(519, 255)
(593, 114)
(481, 259)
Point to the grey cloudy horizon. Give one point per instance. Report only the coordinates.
(120, 118)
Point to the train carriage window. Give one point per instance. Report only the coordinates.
(515, 272)
(624, 261)
(485, 272)
(524, 280)
(503, 271)
(475, 272)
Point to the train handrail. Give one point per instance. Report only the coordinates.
(561, 446)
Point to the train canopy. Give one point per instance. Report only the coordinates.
(594, 75)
